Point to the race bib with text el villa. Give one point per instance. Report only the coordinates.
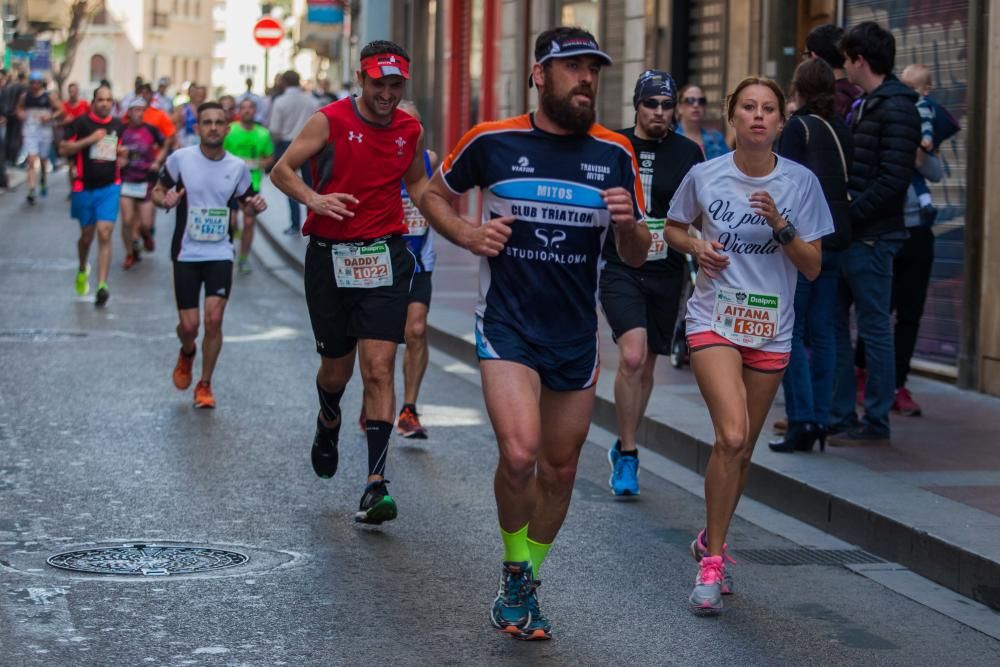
(209, 225)
(744, 317)
(362, 267)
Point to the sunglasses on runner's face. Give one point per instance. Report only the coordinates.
(695, 100)
(666, 105)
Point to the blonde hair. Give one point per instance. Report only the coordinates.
(916, 75)
(734, 96)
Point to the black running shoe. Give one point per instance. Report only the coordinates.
(324, 450)
(376, 504)
(102, 295)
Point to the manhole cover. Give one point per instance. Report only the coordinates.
(147, 560)
(804, 556)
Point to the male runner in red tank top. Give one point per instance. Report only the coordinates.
(358, 266)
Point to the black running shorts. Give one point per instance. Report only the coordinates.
(217, 276)
(633, 298)
(340, 316)
(567, 367)
(420, 292)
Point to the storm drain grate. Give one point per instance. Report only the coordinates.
(148, 560)
(809, 556)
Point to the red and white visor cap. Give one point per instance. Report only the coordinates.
(386, 64)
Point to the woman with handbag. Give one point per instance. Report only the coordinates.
(816, 137)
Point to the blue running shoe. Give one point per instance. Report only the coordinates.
(624, 479)
(538, 627)
(510, 608)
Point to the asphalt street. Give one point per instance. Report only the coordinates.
(97, 447)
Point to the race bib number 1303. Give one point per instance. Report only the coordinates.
(745, 318)
(362, 266)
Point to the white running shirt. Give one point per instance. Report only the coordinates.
(718, 192)
(208, 184)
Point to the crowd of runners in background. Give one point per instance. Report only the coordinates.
(809, 209)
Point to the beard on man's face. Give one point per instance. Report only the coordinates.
(656, 130)
(576, 119)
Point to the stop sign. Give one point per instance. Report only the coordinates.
(268, 32)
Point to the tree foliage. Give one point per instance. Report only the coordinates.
(81, 11)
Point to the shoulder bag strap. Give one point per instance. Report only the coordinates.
(805, 125)
(843, 161)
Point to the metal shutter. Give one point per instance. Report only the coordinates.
(612, 40)
(935, 33)
(706, 53)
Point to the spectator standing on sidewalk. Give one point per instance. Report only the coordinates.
(823, 42)
(261, 104)
(886, 130)
(4, 183)
(912, 266)
(690, 112)
(16, 86)
(289, 114)
(819, 139)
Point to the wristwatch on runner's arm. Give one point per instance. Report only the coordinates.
(786, 234)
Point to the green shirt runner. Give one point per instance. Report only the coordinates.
(250, 145)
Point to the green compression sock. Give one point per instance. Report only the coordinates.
(538, 553)
(515, 545)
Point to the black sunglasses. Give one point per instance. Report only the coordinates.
(666, 105)
(695, 100)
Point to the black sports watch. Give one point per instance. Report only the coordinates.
(786, 234)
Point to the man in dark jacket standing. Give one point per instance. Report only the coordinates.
(886, 136)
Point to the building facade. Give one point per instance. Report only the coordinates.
(147, 38)
(472, 58)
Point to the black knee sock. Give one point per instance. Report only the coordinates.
(378, 445)
(329, 405)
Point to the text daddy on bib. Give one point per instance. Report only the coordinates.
(362, 266)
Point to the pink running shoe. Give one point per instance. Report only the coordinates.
(706, 598)
(699, 549)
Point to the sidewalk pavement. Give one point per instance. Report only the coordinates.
(15, 177)
(929, 501)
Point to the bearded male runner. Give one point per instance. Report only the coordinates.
(554, 183)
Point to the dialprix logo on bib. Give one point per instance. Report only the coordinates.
(763, 301)
(372, 249)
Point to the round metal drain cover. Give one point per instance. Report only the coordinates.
(148, 560)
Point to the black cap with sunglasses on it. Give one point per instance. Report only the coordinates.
(655, 83)
(565, 42)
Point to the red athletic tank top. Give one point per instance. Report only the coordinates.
(368, 161)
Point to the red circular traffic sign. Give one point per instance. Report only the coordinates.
(268, 32)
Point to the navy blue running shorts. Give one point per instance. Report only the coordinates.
(568, 367)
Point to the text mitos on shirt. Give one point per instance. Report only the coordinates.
(544, 283)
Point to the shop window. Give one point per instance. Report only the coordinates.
(581, 14)
(98, 68)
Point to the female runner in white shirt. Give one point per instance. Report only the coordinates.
(762, 220)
